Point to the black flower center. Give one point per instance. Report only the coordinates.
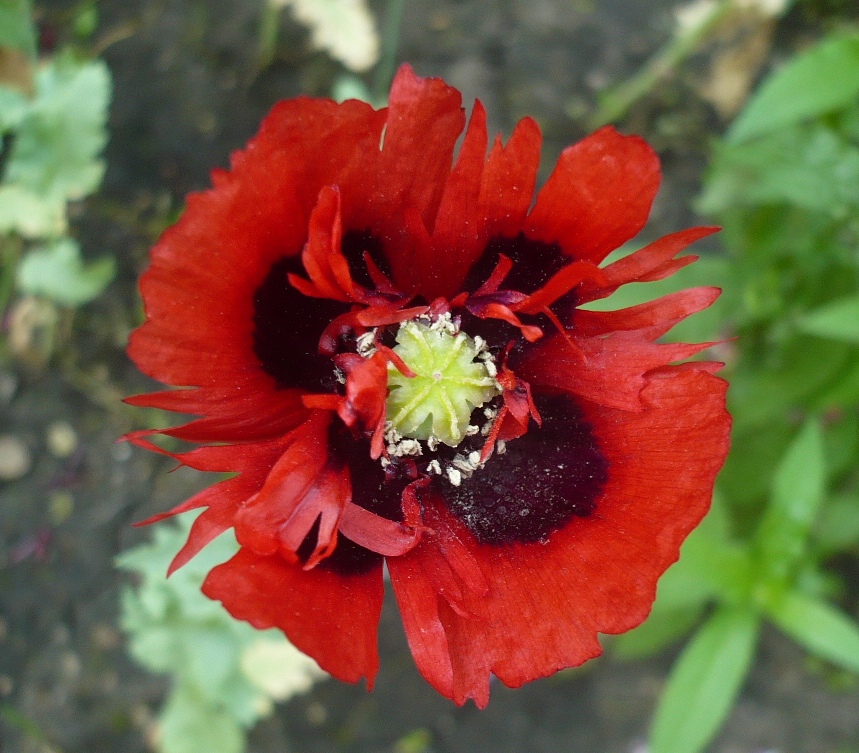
(287, 328)
(541, 481)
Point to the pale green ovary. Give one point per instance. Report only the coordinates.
(449, 384)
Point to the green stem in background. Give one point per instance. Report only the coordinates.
(616, 101)
(10, 252)
(267, 35)
(390, 41)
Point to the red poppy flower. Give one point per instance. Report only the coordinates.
(387, 345)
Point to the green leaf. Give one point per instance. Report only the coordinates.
(816, 82)
(659, 630)
(189, 725)
(13, 107)
(798, 491)
(213, 655)
(55, 153)
(704, 683)
(822, 629)
(30, 215)
(16, 28)
(838, 320)
(57, 272)
(837, 528)
(808, 166)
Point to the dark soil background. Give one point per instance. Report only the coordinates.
(187, 92)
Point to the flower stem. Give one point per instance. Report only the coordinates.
(390, 41)
(616, 101)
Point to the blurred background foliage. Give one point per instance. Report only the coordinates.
(781, 545)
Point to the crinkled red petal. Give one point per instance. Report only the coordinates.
(661, 313)
(653, 262)
(330, 617)
(299, 488)
(509, 179)
(547, 602)
(199, 289)
(614, 368)
(222, 501)
(460, 232)
(598, 196)
(322, 256)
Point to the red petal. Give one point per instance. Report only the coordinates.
(509, 178)
(653, 262)
(331, 617)
(380, 535)
(560, 284)
(547, 602)
(322, 257)
(614, 369)
(301, 487)
(662, 313)
(460, 233)
(366, 390)
(223, 500)
(598, 196)
(424, 121)
(199, 289)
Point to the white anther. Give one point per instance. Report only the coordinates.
(471, 430)
(474, 458)
(501, 447)
(365, 343)
(433, 442)
(454, 476)
(491, 369)
(434, 467)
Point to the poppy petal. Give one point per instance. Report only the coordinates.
(460, 233)
(547, 601)
(199, 289)
(608, 370)
(329, 616)
(653, 262)
(598, 196)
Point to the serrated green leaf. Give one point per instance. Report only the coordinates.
(838, 320)
(30, 215)
(213, 654)
(13, 107)
(57, 144)
(57, 272)
(819, 627)
(798, 491)
(704, 683)
(155, 647)
(189, 725)
(816, 82)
